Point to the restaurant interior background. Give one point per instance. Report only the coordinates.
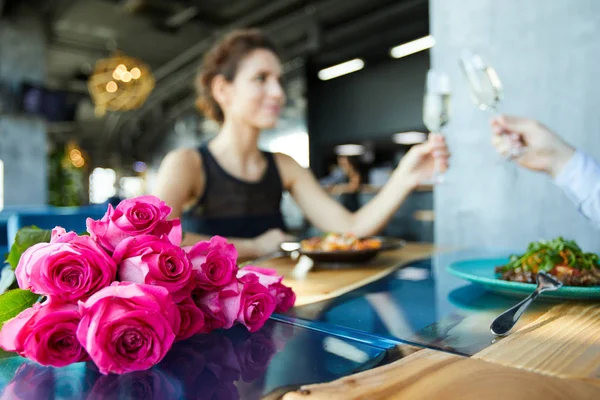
(57, 147)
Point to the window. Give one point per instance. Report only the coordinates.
(132, 186)
(294, 144)
(102, 184)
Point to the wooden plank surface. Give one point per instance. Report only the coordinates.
(319, 284)
(554, 356)
(429, 374)
(564, 342)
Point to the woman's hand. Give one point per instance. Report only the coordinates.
(270, 241)
(421, 160)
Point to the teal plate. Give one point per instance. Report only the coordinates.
(481, 271)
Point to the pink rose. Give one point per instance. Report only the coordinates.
(70, 267)
(151, 384)
(214, 263)
(256, 303)
(220, 308)
(266, 276)
(206, 366)
(144, 215)
(154, 261)
(254, 355)
(32, 381)
(280, 334)
(45, 333)
(192, 319)
(128, 326)
(284, 295)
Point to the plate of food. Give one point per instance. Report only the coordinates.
(346, 247)
(579, 271)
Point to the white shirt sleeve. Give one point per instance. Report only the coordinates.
(580, 180)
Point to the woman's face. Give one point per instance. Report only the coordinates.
(256, 95)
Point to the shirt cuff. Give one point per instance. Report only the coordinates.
(579, 177)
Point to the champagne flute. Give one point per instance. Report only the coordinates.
(486, 88)
(436, 109)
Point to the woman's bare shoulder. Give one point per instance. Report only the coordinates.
(289, 169)
(285, 161)
(184, 165)
(184, 156)
(181, 172)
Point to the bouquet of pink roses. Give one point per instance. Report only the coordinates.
(124, 294)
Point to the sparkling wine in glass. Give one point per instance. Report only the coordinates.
(485, 87)
(436, 108)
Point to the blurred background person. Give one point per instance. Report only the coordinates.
(344, 182)
(229, 187)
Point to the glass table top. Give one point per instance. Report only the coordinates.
(231, 364)
(421, 304)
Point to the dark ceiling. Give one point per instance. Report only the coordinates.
(172, 35)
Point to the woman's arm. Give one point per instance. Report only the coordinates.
(180, 182)
(330, 216)
(248, 249)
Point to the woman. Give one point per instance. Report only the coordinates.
(229, 187)
(344, 182)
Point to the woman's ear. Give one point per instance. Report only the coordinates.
(220, 90)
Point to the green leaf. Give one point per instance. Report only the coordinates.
(7, 354)
(15, 301)
(547, 266)
(26, 237)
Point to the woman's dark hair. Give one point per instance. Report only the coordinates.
(224, 59)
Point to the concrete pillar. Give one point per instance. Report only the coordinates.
(546, 53)
(23, 139)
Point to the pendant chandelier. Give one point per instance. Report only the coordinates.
(120, 83)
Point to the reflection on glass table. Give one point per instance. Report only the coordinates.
(421, 304)
(230, 364)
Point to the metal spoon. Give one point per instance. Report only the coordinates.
(505, 321)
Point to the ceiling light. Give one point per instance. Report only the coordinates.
(126, 76)
(341, 69)
(119, 71)
(123, 97)
(117, 74)
(75, 154)
(135, 73)
(409, 137)
(349, 149)
(111, 87)
(415, 46)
